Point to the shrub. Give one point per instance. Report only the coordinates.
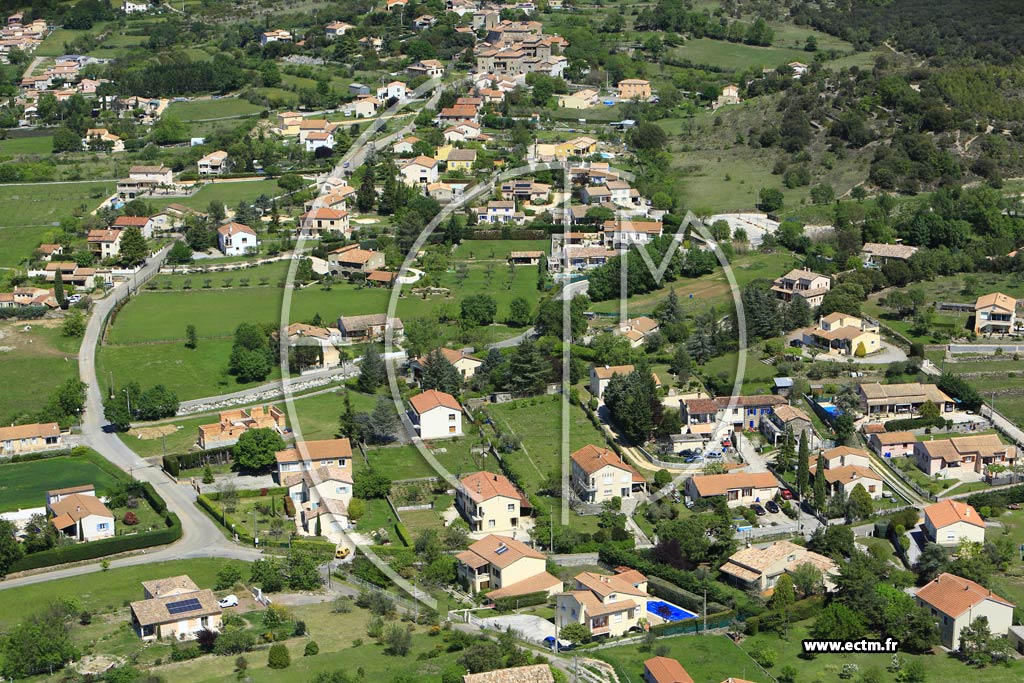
(764, 656)
(234, 642)
(85, 618)
(130, 519)
(278, 657)
(311, 649)
(300, 628)
(228, 576)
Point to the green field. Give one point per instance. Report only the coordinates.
(496, 250)
(190, 373)
(228, 193)
(24, 484)
(33, 364)
(198, 110)
(103, 591)
(48, 203)
(35, 144)
(705, 658)
(757, 377)
(19, 243)
(737, 56)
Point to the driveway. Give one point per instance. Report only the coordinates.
(756, 225)
(528, 626)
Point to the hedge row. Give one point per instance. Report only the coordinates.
(229, 523)
(107, 546)
(997, 499)
(403, 534)
(44, 455)
(516, 601)
(909, 423)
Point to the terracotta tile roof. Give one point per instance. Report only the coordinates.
(899, 251)
(909, 391)
(82, 488)
(432, 398)
(104, 235)
(533, 673)
(78, 506)
(154, 611)
(841, 451)
(788, 413)
(996, 300)
(451, 355)
(609, 371)
(533, 584)
(327, 449)
(701, 406)
(890, 438)
(481, 486)
(232, 228)
(380, 276)
(172, 585)
(750, 401)
(850, 474)
(947, 512)
(979, 446)
(362, 323)
(37, 430)
(592, 458)
(719, 484)
(665, 670)
(953, 595)
(604, 585)
(125, 221)
(500, 551)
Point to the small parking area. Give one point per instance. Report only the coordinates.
(527, 626)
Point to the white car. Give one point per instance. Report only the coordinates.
(228, 601)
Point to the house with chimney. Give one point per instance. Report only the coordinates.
(174, 608)
(949, 522)
(806, 284)
(995, 313)
(30, 438)
(503, 567)
(599, 474)
(606, 604)
(76, 512)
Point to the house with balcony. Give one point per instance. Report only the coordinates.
(805, 284)
(320, 220)
(500, 212)
(321, 495)
(421, 170)
(621, 234)
(995, 313)
(599, 474)
(214, 163)
(352, 259)
(699, 416)
(738, 488)
(105, 243)
(634, 89)
(606, 605)
(504, 567)
(311, 455)
(747, 412)
(491, 503)
(845, 335)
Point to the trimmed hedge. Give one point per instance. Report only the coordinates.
(107, 546)
(909, 423)
(515, 601)
(997, 499)
(171, 466)
(403, 534)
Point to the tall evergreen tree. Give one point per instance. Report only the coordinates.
(372, 371)
(633, 403)
(58, 289)
(820, 492)
(438, 373)
(453, 230)
(366, 195)
(803, 465)
(133, 247)
(787, 452)
(347, 419)
(528, 370)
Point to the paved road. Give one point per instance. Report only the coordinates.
(202, 538)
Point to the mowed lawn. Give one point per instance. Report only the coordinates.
(33, 365)
(101, 592)
(228, 193)
(198, 110)
(24, 484)
(35, 144)
(48, 203)
(190, 373)
(17, 244)
(705, 658)
(737, 56)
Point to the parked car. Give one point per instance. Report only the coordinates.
(688, 501)
(549, 643)
(714, 455)
(694, 458)
(771, 507)
(341, 552)
(758, 510)
(228, 601)
(74, 299)
(786, 494)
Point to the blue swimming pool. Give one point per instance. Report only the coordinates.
(668, 611)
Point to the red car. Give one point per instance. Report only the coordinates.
(786, 494)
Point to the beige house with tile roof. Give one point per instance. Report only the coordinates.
(606, 605)
(180, 613)
(883, 400)
(960, 454)
(505, 567)
(599, 474)
(806, 284)
(77, 512)
(322, 338)
(600, 375)
(760, 568)
(739, 488)
(490, 502)
(995, 313)
(785, 417)
(308, 455)
(874, 254)
(955, 602)
(463, 361)
(949, 521)
(30, 438)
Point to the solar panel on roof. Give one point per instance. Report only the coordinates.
(181, 606)
(500, 549)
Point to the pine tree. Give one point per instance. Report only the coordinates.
(787, 452)
(542, 276)
(820, 493)
(803, 465)
(191, 338)
(347, 419)
(438, 373)
(319, 530)
(372, 371)
(528, 371)
(453, 231)
(58, 290)
(366, 196)
(133, 247)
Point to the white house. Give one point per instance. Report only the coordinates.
(949, 521)
(237, 239)
(77, 512)
(275, 36)
(129, 7)
(436, 414)
(956, 602)
(319, 139)
(421, 170)
(598, 475)
(394, 90)
(336, 29)
(214, 163)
